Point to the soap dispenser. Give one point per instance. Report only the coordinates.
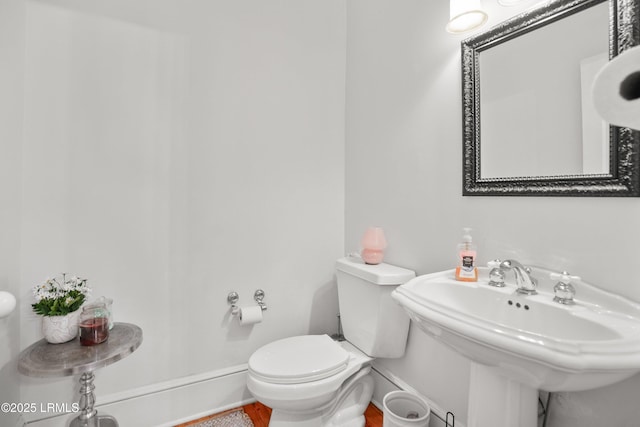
(466, 270)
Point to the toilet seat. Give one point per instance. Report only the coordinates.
(298, 360)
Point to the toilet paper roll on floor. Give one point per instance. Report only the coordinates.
(616, 90)
(250, 315)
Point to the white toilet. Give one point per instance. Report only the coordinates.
(313, 381)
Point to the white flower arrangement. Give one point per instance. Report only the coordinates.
(60, 297)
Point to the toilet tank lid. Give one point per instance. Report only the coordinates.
(380, 274)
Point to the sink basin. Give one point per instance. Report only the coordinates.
(526, 341)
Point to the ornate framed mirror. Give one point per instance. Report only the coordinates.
(529, 125)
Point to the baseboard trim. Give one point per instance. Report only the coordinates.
(172, 402)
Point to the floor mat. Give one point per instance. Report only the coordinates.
(233, 419)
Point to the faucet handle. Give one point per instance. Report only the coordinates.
(496, 275)
(564, 290)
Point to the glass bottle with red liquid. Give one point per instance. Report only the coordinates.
(94, 324)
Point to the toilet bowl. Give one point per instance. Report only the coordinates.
(313, 381)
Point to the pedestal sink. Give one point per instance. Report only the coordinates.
(519, 344)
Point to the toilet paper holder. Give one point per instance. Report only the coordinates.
(232, 300)
(258, 296)
(234, 297)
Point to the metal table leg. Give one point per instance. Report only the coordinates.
(88, 414)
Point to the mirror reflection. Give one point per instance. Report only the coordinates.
(536, 100)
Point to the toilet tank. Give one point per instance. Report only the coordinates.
(371, 319)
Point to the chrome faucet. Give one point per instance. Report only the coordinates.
(526, 284)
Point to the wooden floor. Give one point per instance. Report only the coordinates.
(373, 416)
(260, 415)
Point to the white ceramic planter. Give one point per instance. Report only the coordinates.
(59, 329)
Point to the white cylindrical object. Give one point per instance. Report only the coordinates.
(7, 303)
(250, 315)
(616, 90)
(404, 409)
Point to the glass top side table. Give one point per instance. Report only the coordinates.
(45, 360)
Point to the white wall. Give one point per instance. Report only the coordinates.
(173, 152)
(11, 109)
(403, 151)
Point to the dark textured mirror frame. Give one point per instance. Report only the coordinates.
(623, 179)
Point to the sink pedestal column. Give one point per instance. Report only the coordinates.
(495, 400)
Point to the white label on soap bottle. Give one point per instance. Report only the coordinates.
(467, 266)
